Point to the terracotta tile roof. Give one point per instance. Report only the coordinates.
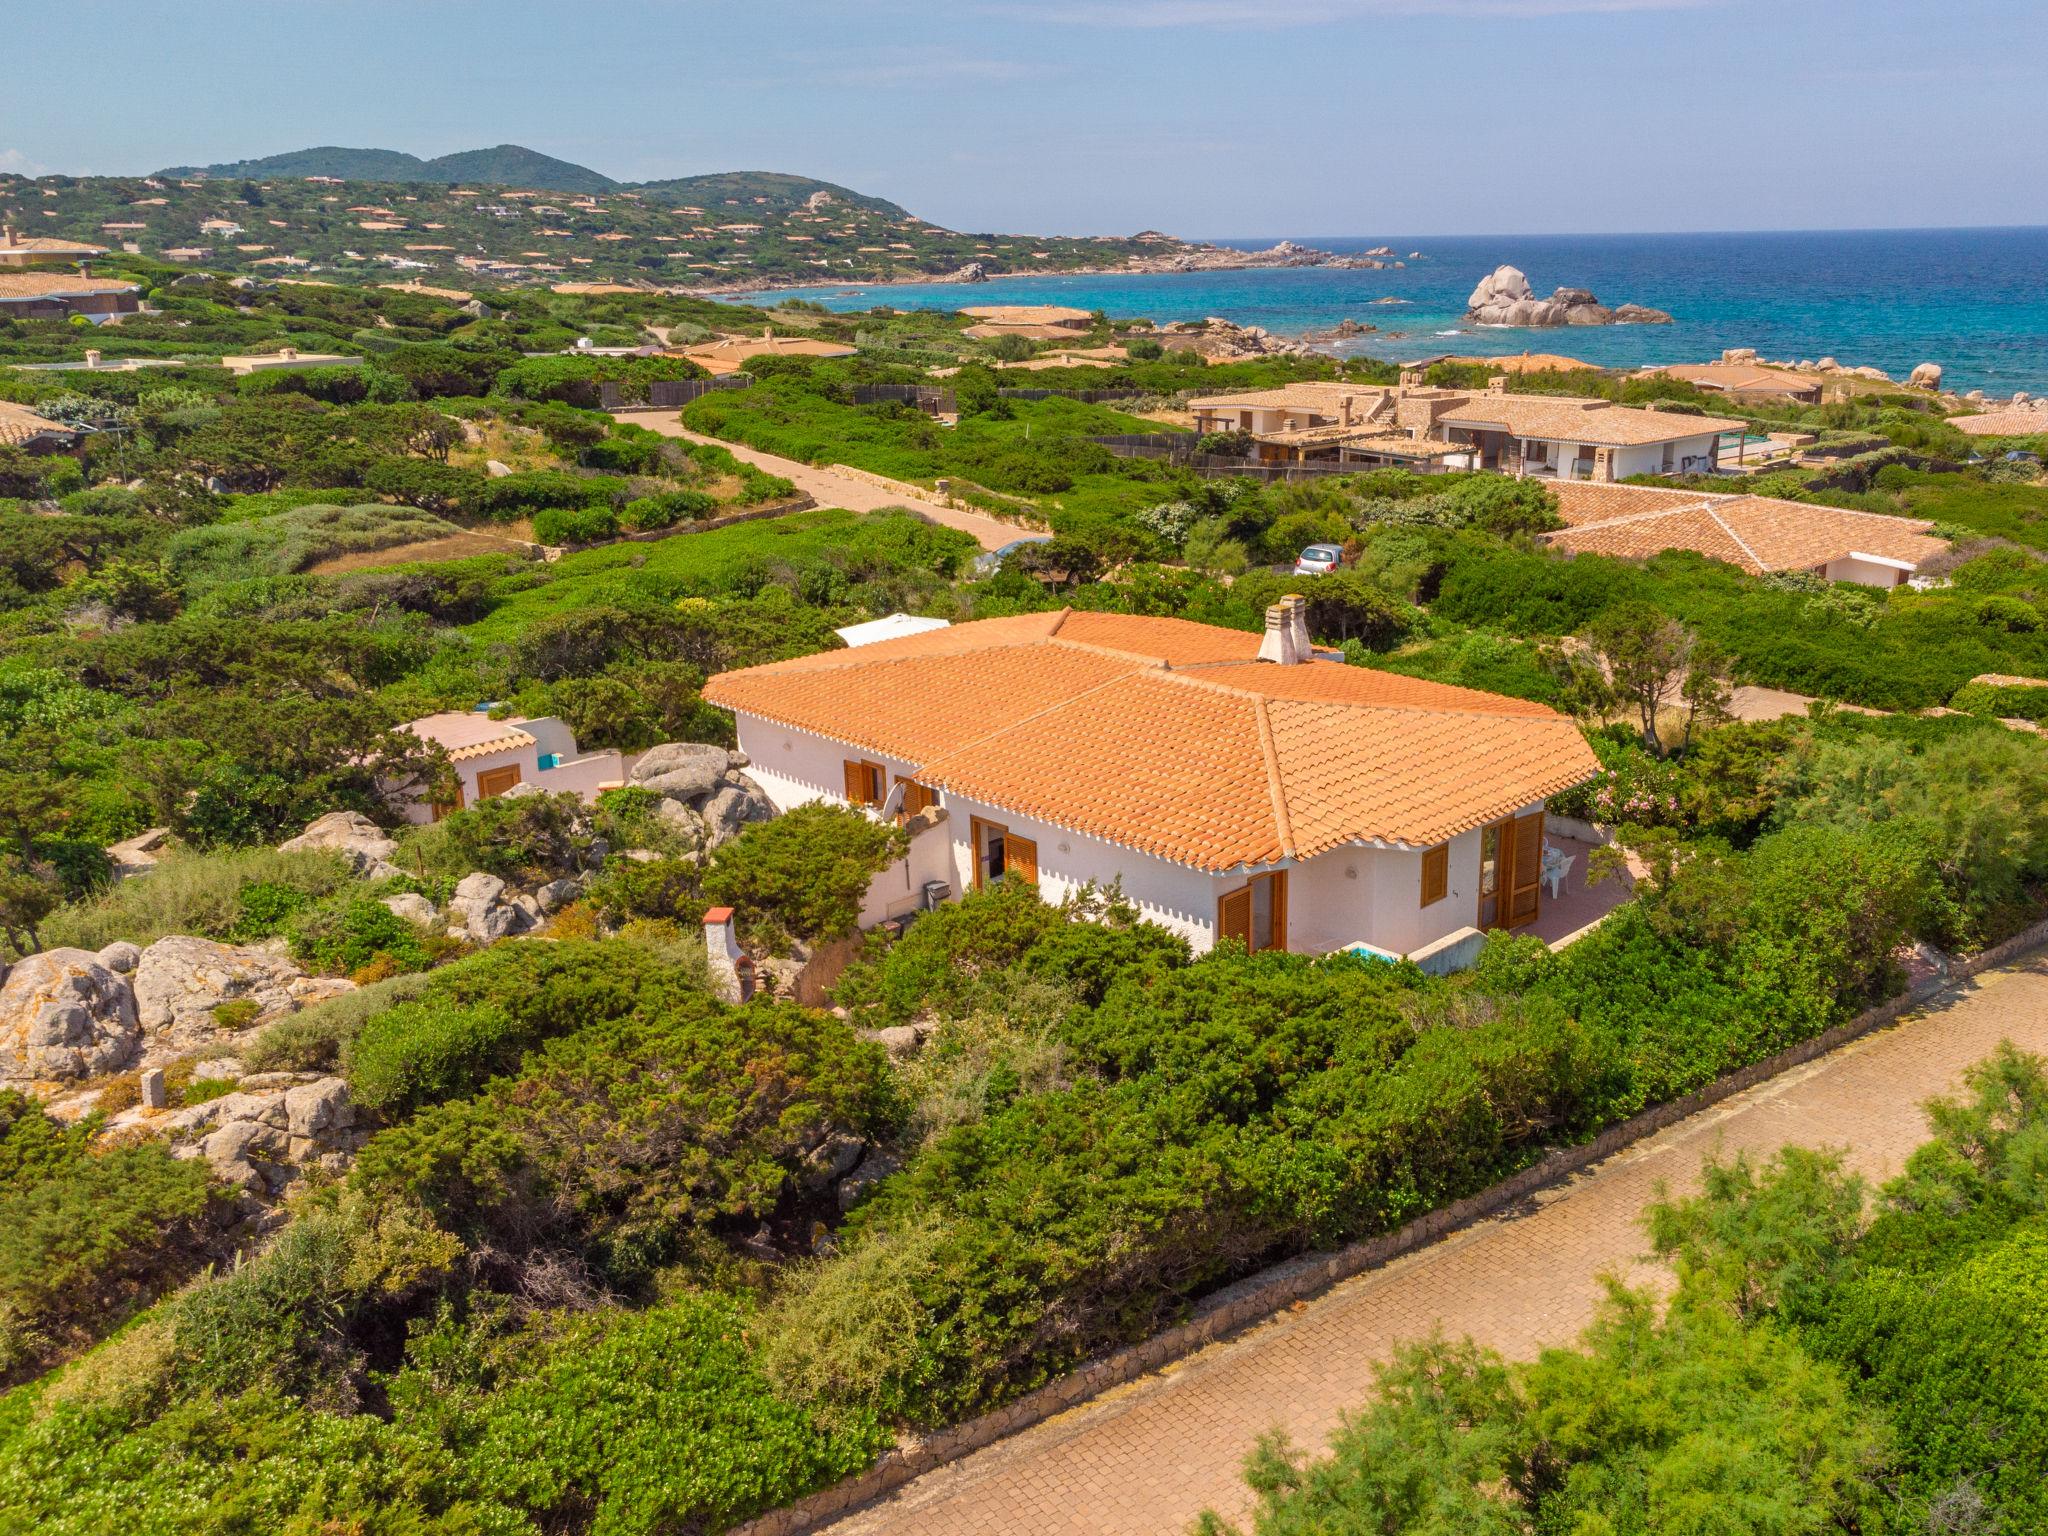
(19, 424)
(1171, 738)
(1570, 419)
(1028, 314)
(1737, 378)
(1755, 533)
(57, 285)
(2016, 421)
(45, 245)
(1321, 397)
(466, 735)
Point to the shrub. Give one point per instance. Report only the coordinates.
(199, 893)
(801, 877)
(574, 525)
(666, 509)
(312, 1040)
(339, 939)
(89, 1231)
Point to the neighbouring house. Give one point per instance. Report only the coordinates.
(2026, 420)
(32, 295)
(1416, 425)
(492, 756)
(1034, 322)
(729, 354)
(22, 428)
(1758, 534)
(287, 357)
(1742, 381)
(1234, 785)
(18, 250)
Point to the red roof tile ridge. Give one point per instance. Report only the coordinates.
(1740, 542)
(1283, 824)
(1453, 704)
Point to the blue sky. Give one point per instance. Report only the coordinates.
(1221, 118)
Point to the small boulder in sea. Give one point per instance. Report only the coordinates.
(1504, 297)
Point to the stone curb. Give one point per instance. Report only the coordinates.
(1260, 1296)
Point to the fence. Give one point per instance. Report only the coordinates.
(668, 394)
(928, 398)
(1179, 448)
(1086, 396)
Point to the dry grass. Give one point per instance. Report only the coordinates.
(515, 539)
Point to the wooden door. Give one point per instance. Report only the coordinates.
(1255, 916)
(1020, 858)
(495, 781)
(1523, 877)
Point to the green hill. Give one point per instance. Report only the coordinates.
(781, 192)
(506, 165)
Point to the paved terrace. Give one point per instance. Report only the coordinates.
(1145, 1459)
(830, 488)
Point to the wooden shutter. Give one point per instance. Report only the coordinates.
(1234, 917)
(1279, 881)
(856, 783)
(1020, 858)
(1525, 871)
(916, 796)
(1436, 874)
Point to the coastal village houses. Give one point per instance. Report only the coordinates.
(1418, 426)
(1235, 786)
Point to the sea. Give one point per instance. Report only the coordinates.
(1973, 300)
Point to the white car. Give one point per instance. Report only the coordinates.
(1319, 560)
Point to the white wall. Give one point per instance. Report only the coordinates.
(1864, 572)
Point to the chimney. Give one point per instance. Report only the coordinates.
(92, 357)
(1347, 411)
(1497, 385)
(1286, 638)
(732, 973)
(1411, 378)
(289, 352)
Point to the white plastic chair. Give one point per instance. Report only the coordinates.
(1555, 873)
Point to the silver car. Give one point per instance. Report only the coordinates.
(1319, 560)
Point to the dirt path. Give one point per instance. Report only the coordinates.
(1146, 1459)
(834, 489)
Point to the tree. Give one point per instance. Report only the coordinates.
(801, 877)
(1653, 661)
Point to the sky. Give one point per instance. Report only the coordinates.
(1205, 118)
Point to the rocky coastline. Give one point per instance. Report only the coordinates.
(1504, 298)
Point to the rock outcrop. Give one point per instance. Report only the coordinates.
(481, 911)
(1925, 376)
(65, 1013)
(263, 1136)
(705, 796)
(972, 272)
(181, 980)
(1504, 297)
(352, 835)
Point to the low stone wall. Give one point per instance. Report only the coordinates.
(1260, 1296)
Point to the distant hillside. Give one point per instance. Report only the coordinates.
(781, 192)
(506, 165)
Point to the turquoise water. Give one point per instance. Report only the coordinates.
(1973, 300)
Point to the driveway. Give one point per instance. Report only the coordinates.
(1145, 1459)
(832, 488)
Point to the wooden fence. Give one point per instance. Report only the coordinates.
(668, 394)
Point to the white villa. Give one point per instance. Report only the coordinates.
(1237, 786)
(1418, 426)
(492, 756)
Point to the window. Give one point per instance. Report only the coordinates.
(1256, 916)
(1436, 874)
(998, 852)
(866, 784)
(916, 796)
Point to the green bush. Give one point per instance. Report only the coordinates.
(575, 525)
(801, 877)
(313, 1039)
(204, 894)
(339, 938)
(645, 514)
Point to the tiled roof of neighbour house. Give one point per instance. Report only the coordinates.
(1324, 397)
(1735, 377)
(1523, 362)
(736, 349)
(19, 424)
(1027, 314)
(1570, 419)
(2016, 421)
(989, 329)
(23, 286)
(1595, 501)
(1755, 533)
(1171, 738)
(45, 245)
(466, 735)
